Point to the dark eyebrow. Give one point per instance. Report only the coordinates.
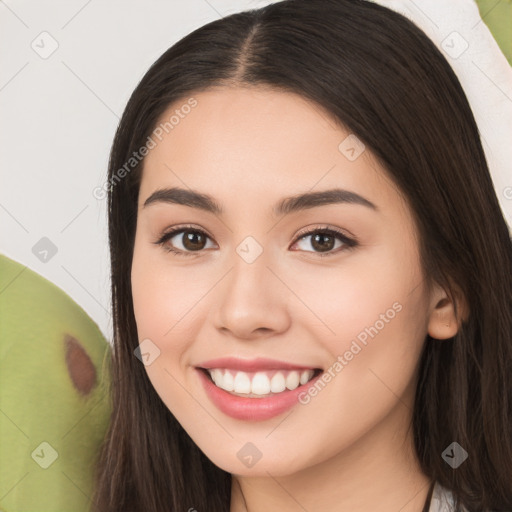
(295, 203)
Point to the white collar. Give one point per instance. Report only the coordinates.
(442, 500)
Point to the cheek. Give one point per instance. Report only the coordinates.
(148, 291)
(163, 300)
(378, 310)
(365, 296)
(161, 291)
(167, 298)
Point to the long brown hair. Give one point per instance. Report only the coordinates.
(383, 79)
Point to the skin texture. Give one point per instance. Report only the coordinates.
(347, 449)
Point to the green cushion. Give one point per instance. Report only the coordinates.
(497, 15)
(54, 405)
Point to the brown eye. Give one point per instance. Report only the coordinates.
(190, 239)
(193, 240)
(323, 240)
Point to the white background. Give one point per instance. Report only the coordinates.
(59, 113)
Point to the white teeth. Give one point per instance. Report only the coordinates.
(292, 380)
(216, 375)
(259, 383)
(278, 383)
(305, 376)
(223, 379)
(242, 383)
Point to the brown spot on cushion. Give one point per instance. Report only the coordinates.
(80, 367)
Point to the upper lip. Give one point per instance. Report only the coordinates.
(252, 365)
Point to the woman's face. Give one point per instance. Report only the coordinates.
(250, 283)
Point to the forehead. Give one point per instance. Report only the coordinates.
(256, 143)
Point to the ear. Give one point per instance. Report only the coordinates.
(443, 322)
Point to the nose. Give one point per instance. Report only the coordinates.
(252, 301)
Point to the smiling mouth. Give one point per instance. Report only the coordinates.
(260, 384)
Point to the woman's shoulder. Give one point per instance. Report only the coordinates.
(444, 501)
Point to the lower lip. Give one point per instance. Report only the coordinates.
(252, 409)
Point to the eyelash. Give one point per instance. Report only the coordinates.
(348, 242)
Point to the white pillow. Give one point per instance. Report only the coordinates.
(457, 29)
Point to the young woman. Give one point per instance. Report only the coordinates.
(311, 276)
